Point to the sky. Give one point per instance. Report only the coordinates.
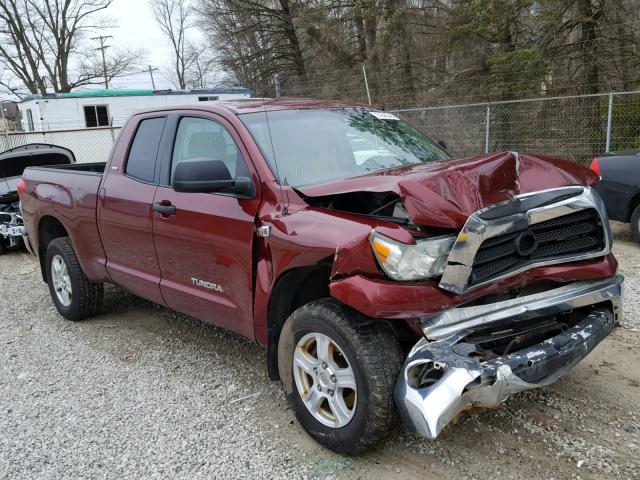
(137, 28)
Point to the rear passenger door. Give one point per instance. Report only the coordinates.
(205, 242)
(124, 213)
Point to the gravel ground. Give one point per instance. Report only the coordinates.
(143, 392)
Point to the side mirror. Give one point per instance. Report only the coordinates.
(204, 175)
(442, 144)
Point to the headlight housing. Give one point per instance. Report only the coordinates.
(426, 259)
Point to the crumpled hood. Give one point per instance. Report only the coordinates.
(446, 194)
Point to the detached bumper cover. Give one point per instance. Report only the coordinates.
(463, 381)
(558, 300)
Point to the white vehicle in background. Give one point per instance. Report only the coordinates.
(12, 164)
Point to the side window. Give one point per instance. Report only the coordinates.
(141, 162)
(203, 138)
(96, 116)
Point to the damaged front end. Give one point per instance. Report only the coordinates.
(485, 353)
(479, 353)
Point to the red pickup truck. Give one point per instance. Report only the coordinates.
(386, 280)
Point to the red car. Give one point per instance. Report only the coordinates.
(385, 279)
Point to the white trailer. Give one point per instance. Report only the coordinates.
(101, 108)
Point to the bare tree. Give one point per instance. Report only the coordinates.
(174, 19)
(40, 44)
(255, 39)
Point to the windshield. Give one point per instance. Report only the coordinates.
(306, 147)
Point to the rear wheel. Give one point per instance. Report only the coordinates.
(635, 224)
(342, 377)
(74, 296)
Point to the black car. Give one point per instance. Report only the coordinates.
(12, 164)
(620, 186)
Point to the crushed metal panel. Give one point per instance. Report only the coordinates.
(468, 382)
(557, 300)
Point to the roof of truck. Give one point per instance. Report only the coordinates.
(251, 105)
(254, 105)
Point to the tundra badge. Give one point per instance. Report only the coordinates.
(209, 285)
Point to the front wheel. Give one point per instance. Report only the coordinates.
(74, 296)
(342, 376)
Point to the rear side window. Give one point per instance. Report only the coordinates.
(141, 163)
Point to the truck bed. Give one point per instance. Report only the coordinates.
(68, 193)
(96, 168)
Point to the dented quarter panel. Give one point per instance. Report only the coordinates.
(309, 236)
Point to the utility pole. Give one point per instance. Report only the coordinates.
(151, 70)
(102, 48)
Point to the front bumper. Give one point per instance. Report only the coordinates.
(442, 378)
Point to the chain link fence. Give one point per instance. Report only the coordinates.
(574, 127)
(88, 145)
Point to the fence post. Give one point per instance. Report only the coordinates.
(366, 83)
(113, 137)
(276, 84)
(487, 129)
(609, 115)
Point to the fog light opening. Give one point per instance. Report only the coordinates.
(425, 374)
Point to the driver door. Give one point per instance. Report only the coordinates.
(204, 241)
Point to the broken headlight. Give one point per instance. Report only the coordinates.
(426, 259)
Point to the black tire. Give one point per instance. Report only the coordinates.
(374, 355)
(87, 296)
(635, 224)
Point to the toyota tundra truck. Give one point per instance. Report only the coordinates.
(387, 281)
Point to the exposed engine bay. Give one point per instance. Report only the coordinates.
(381, 205)
(386, 205)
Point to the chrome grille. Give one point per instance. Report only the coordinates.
(569, 234)
(535, 229)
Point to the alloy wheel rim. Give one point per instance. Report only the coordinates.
(61, 280)
(325, 380)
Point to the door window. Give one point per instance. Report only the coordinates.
(204, 138)
(141, 162)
